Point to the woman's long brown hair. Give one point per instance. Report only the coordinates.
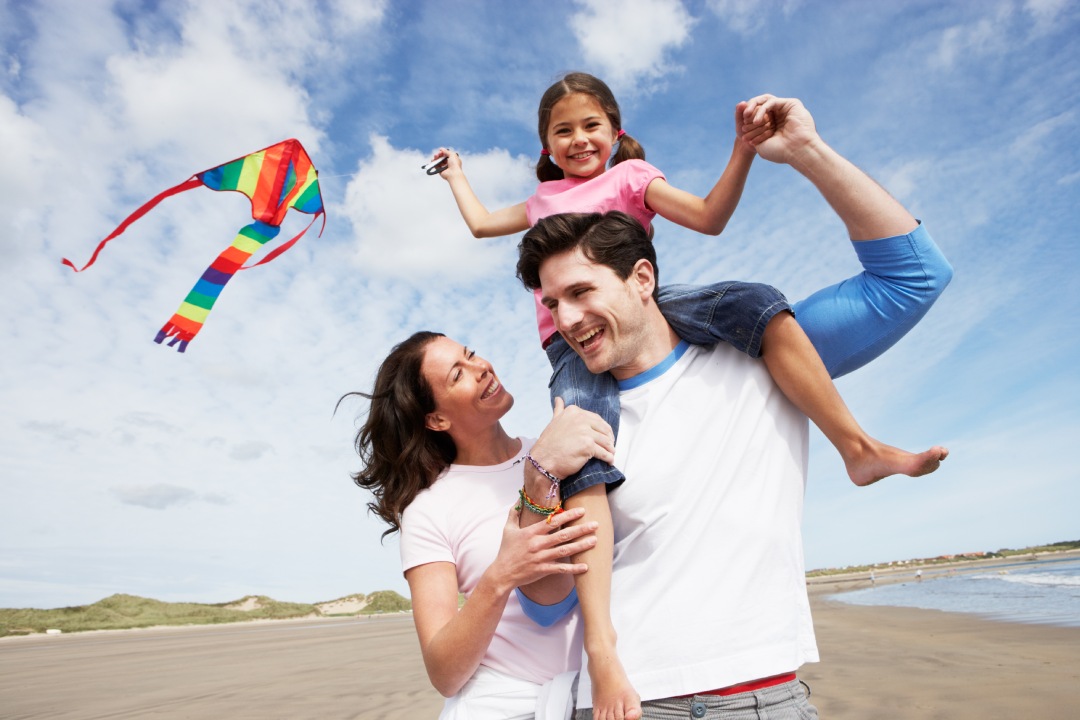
(400, 455)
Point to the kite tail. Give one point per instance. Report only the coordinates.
(185, 324)
(146, 207)
(285, 246)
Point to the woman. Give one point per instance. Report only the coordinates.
(444, 473)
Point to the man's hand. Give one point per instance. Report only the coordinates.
(791, 125)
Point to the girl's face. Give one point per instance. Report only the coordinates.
(580, 136)
(468, 396)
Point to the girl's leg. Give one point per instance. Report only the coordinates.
(752, 317)
(572, 381)
(733, 312)
(799, 372)
(854, 321)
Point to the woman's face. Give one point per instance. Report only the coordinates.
(468, 395)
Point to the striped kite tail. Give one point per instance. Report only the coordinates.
(186, 323)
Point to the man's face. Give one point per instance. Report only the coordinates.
(601, 316)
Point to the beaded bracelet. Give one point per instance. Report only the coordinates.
(548, 512)
(553, 491)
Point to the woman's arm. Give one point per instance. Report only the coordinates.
(481, 222)
(452, 641)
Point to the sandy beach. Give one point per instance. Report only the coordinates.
(877, 662)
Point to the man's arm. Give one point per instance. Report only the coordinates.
(868, 211)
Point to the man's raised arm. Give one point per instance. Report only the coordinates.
(868, 211)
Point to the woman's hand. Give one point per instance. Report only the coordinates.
(530, 553)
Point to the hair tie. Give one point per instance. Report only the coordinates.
(621, 133)
(545, 151)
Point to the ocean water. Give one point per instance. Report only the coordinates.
(1040, 591)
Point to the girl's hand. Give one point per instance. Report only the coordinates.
(570, 439)
(793, 126)
(751, 131)
(453, 162)
(534, 552)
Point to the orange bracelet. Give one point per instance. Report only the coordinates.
(549, 512)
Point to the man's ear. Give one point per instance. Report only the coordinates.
(644, 277)
(435, 421)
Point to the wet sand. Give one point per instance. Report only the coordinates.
(877, 662)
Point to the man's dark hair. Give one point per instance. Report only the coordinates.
(613, 239)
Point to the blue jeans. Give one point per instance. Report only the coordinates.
(732, 312)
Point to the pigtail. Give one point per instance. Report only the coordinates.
(629, 149)
(547, 170)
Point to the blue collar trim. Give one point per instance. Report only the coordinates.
(657, 370)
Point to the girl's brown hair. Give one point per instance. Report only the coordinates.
(579, 82)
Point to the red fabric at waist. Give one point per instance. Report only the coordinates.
(749, 686)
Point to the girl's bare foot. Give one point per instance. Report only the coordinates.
(878, 460)
(613, 696)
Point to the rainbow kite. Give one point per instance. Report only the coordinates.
(274, 179)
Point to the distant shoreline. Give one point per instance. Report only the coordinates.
(845, 582)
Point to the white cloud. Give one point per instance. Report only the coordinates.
(1069, 179)
(28, 155)
(252, 450)
(969, 42)
(389, 186)
(356, 14)
(231, 82)
(1045, 13)
(747, 17)
(1032, 143)
(629, 41)
(158, 496)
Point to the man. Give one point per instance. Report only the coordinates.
(708, 596)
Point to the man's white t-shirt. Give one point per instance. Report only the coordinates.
(460, 520)
(708, 586)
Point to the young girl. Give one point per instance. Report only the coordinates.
(580, 127)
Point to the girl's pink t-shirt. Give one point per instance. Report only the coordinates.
(620, 188)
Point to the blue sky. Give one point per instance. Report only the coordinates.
(126, 467)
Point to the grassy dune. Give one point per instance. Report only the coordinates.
(130, 611)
